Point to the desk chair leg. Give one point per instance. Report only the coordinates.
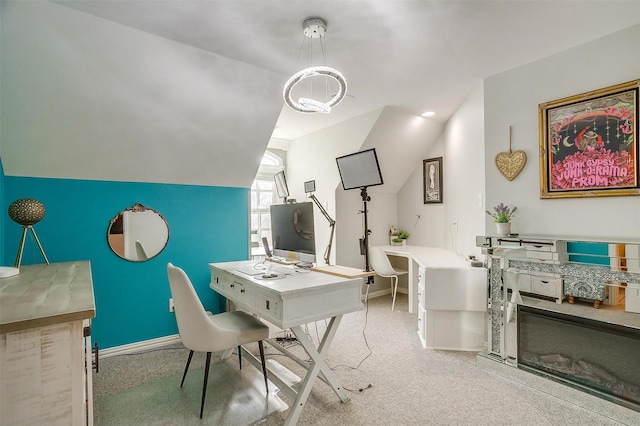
(264, 364)
(204, 385)
(186, 368)
(240, 356)
(395, 290)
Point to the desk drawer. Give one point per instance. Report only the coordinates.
(546, 286)
(269, 306)
(244, 293)
(218, 278)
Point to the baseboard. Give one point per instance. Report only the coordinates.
(384, 293)
(142, 346)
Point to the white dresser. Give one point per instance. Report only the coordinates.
(45, 348)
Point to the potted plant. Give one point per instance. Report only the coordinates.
(397, 241)
(502, 217)
(403, 235)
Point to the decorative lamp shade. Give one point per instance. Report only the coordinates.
(26, 211)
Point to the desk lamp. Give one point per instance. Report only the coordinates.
(309, 187)
(27, 212)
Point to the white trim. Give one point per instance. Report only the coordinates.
(142, 346)
(282, 144)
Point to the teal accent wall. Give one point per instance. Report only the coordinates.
(584, 252)
(206, 224)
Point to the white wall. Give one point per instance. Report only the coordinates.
(512, 99)
(462, 148)
(314, 158)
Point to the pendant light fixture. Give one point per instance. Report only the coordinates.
(314, 30)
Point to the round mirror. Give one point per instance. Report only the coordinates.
(138, 233)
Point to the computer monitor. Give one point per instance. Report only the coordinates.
(281, 185)
(359, 170)
(292, 231)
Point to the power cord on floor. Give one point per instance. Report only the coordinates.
(359, 390)
(364, 335)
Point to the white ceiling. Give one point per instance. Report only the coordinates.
(414, 55)
(190, 91)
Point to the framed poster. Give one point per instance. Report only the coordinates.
(589, 144)
(432, 178)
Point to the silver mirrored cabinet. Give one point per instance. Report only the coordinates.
(138, 233)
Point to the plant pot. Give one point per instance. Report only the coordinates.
(503, 228)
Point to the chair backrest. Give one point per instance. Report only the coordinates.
(380, 262)
(140, 251)
(197, 332)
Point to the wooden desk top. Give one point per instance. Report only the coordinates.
(343, 271)
(43, 295)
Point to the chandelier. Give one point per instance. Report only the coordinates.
(315, 28)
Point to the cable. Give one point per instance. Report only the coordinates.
(364, 335)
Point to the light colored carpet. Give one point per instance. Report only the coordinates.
(396, 382)
(234, 397)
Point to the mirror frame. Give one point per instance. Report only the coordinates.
(136, 208)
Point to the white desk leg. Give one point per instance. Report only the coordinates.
(317, 366)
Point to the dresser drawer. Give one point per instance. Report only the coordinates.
(546, 286)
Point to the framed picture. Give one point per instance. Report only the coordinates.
(432, 172)
(589, 144)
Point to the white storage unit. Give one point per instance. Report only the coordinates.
(452, 305)
(45, 354)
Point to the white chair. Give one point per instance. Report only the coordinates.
(382, 266)
(140, 251)
(204, 332)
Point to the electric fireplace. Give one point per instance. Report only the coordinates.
(600, 357)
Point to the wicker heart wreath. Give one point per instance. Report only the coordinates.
(511, 163)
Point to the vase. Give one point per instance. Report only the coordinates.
(503, 228)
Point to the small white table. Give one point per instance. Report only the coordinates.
(291, 302)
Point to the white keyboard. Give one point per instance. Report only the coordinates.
(266, 268)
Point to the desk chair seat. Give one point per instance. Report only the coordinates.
(205, 332)
(382, 266)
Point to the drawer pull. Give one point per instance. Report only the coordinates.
(544, 282)
(242, 291)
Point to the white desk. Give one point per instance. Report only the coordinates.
(448, 295)
(291, 302)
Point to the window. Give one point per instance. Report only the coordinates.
(263, 194)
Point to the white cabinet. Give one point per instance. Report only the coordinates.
(452, 304)
(45, 373)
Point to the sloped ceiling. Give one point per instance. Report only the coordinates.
(87, 98)
(190, 91)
